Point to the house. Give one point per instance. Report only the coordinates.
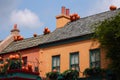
(69, 46)
(30, 54)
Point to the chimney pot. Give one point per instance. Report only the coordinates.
(67, 12)
(15, 26)
(35, 35)
(112, 7)
(63, 10)
(46, 30)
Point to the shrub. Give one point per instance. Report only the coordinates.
(52, 75)
(70, 74)
(10, 64)
(108, 34)
(90, 72)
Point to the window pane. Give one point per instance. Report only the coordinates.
(93, 65)
(72, 59)
(57, 62)
(77, 68)
(95, 58)
(54, 62)
(76, 59)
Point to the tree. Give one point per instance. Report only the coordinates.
(108, 34)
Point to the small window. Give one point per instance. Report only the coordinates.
(56, 63)
(24, 60)
(95, 58)
(74, 60)
(36, 69)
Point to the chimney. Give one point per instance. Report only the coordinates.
(15, 30)
(63, 18)
(67, 12)
(10, 38)
(63, 10)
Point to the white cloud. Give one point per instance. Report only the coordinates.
(25, 18)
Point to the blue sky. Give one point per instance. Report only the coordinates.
(33, 15)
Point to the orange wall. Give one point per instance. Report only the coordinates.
(64, 51)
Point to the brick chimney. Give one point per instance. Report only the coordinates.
(10, 38)
(63, 18)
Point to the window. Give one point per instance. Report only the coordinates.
(95, 58)
(24, 60)
(56, 63)
(36, 69)
(74, 60)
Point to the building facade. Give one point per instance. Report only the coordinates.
(79, 55)
(70, 45)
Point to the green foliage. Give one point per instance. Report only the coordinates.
(71, 74)
(66, 75)
(10, 64)
(108, 34)
(5, 68)
(90, 72)
(52, 75)
(15, 64)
